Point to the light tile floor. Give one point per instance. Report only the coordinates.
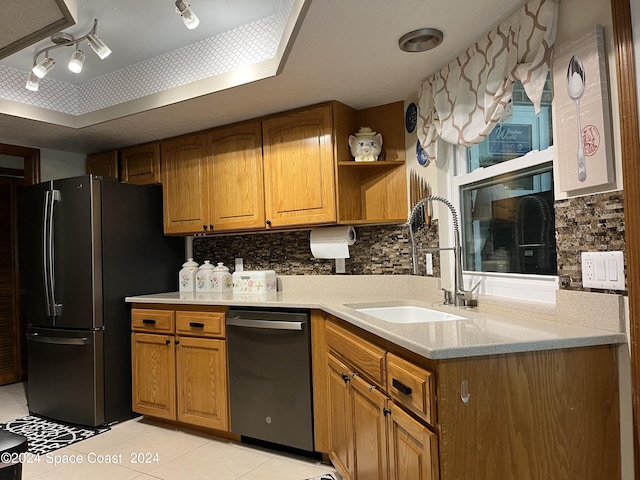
(146, 450)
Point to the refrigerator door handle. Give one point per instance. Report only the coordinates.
(56, 309)
(58, 340)
(45, 252)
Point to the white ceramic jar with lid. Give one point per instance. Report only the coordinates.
(221, 279)
(203, 277)
(187, 276)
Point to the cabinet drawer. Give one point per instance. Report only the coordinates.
(201, 324)
(412, 386)
(148, 320)
(363, 356)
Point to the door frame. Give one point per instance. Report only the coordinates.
(630, 151)
(31, 157)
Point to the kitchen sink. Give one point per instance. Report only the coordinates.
(409, 314)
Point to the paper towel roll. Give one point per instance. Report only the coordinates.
(332, 242)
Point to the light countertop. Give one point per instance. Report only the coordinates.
(485, 331)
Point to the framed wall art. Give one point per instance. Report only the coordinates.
(581, 115)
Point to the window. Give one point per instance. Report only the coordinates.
(506, 194)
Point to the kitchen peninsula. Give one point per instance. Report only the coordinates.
(512, 390)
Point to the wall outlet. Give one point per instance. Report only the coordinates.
(589, 269)
(603, 270)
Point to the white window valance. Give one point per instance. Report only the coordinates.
(463, 102)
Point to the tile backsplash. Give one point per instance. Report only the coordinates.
(592, 223)
(379, 250)
(587, 223)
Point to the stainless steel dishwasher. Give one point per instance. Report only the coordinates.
(270, 375)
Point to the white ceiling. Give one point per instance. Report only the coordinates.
(345, 50)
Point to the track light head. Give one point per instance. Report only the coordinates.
(77, 60)
(44, 67)
(98, 46)
(189, 18)
(33, 82)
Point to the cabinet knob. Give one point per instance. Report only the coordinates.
(386, 411)
(177, 342)
(204, 227)
(211, 226)
(167, 341)
(345, 377)
(268, 223)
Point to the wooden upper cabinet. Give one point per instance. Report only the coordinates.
(185, 189)
(373, 192)
(299, 167)
(141, 164)
(236, 180)
(104, 164)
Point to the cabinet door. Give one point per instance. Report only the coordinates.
(413, 449)
(141, 164)
(299, 168)
(340, 417)
(370, 431)
(153, 375)
(236, 182)
(103, 164)
(202, 382)
(184, 180)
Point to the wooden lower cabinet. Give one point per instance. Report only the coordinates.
(541, 415)
(340, 417)
(201, 370)
(413, 448)
(372, 439)
(154, 375)
(180, 377)
(370, 430)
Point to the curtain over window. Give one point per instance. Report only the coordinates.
(464, 101)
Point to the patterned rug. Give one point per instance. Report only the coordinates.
(45, 436)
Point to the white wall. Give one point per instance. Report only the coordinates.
(56, 164)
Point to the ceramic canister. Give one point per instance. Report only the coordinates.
(187, 276)
(203, 277)
(221, 279)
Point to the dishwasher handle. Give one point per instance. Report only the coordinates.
(267, 324)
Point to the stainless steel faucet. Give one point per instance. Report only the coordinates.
(462, 297)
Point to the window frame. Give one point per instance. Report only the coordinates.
(527, 287)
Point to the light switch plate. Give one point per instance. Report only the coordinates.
(603, 270)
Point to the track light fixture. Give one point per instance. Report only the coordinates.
(189, 18)
(40, 69)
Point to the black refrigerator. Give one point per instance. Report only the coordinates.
(92, 241)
